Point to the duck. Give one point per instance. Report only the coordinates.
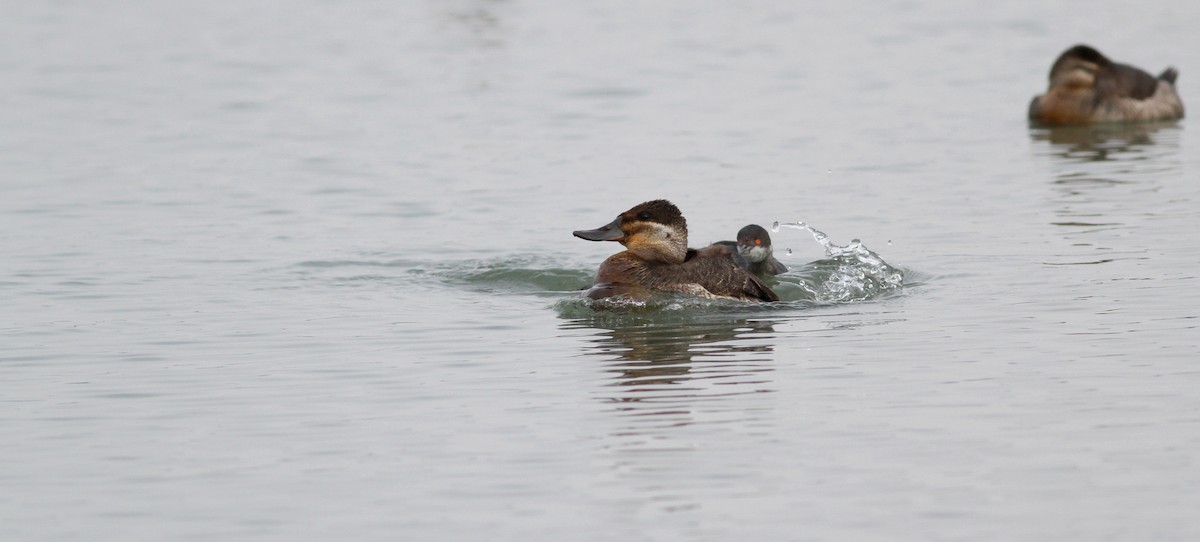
(657, 258)
(754, 246)
(1087, 87)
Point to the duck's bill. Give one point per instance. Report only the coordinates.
(609, 232)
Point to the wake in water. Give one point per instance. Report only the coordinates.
(850, 273)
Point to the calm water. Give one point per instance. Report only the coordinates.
(288, 271)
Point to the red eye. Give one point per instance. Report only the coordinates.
(758, 242)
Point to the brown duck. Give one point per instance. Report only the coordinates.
(1086, 87)
(656, 257)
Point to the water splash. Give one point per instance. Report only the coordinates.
(850, 273)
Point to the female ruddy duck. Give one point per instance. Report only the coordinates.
(754, 245)
(656, 257)
(1085, 86)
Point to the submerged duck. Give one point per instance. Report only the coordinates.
(754, 245)
(656, 257)
(1085, 86)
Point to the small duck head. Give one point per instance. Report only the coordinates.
(1076, 69)
(754, 243)
(654, 231)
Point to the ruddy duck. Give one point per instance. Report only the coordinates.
(754, 245)
(1085, 87)
(657, 257)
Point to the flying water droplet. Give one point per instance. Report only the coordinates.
(851, 273)
(775, 227)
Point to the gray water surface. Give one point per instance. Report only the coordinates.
(304, 271)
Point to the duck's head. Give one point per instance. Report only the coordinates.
(754, 243)
(1077, 68)
(654, 231)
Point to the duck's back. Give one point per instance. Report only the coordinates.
(711, 271)
(768, 267)
(1125, 81)
(1114, 91)
(1128, 93)
(722, 272)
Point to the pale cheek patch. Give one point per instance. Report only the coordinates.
(649, 235)
(658, 231)
(755, 254)
(657, 242)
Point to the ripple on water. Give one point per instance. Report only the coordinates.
(668, 370)
(851, 273)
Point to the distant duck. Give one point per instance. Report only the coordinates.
(657, 257)
(754, 245)
(1086, 87)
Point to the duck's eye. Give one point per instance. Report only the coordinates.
(644, 215)
(757, 242)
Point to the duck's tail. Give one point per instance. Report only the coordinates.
(1169, 75)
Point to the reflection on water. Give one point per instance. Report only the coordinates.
(476, 22)
(1096, 169)
(474, 35)
(664, 369)
(1101, 142)
(682, 387)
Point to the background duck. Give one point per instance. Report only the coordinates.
(754, 246)
(654, 234)
(1085, 86)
